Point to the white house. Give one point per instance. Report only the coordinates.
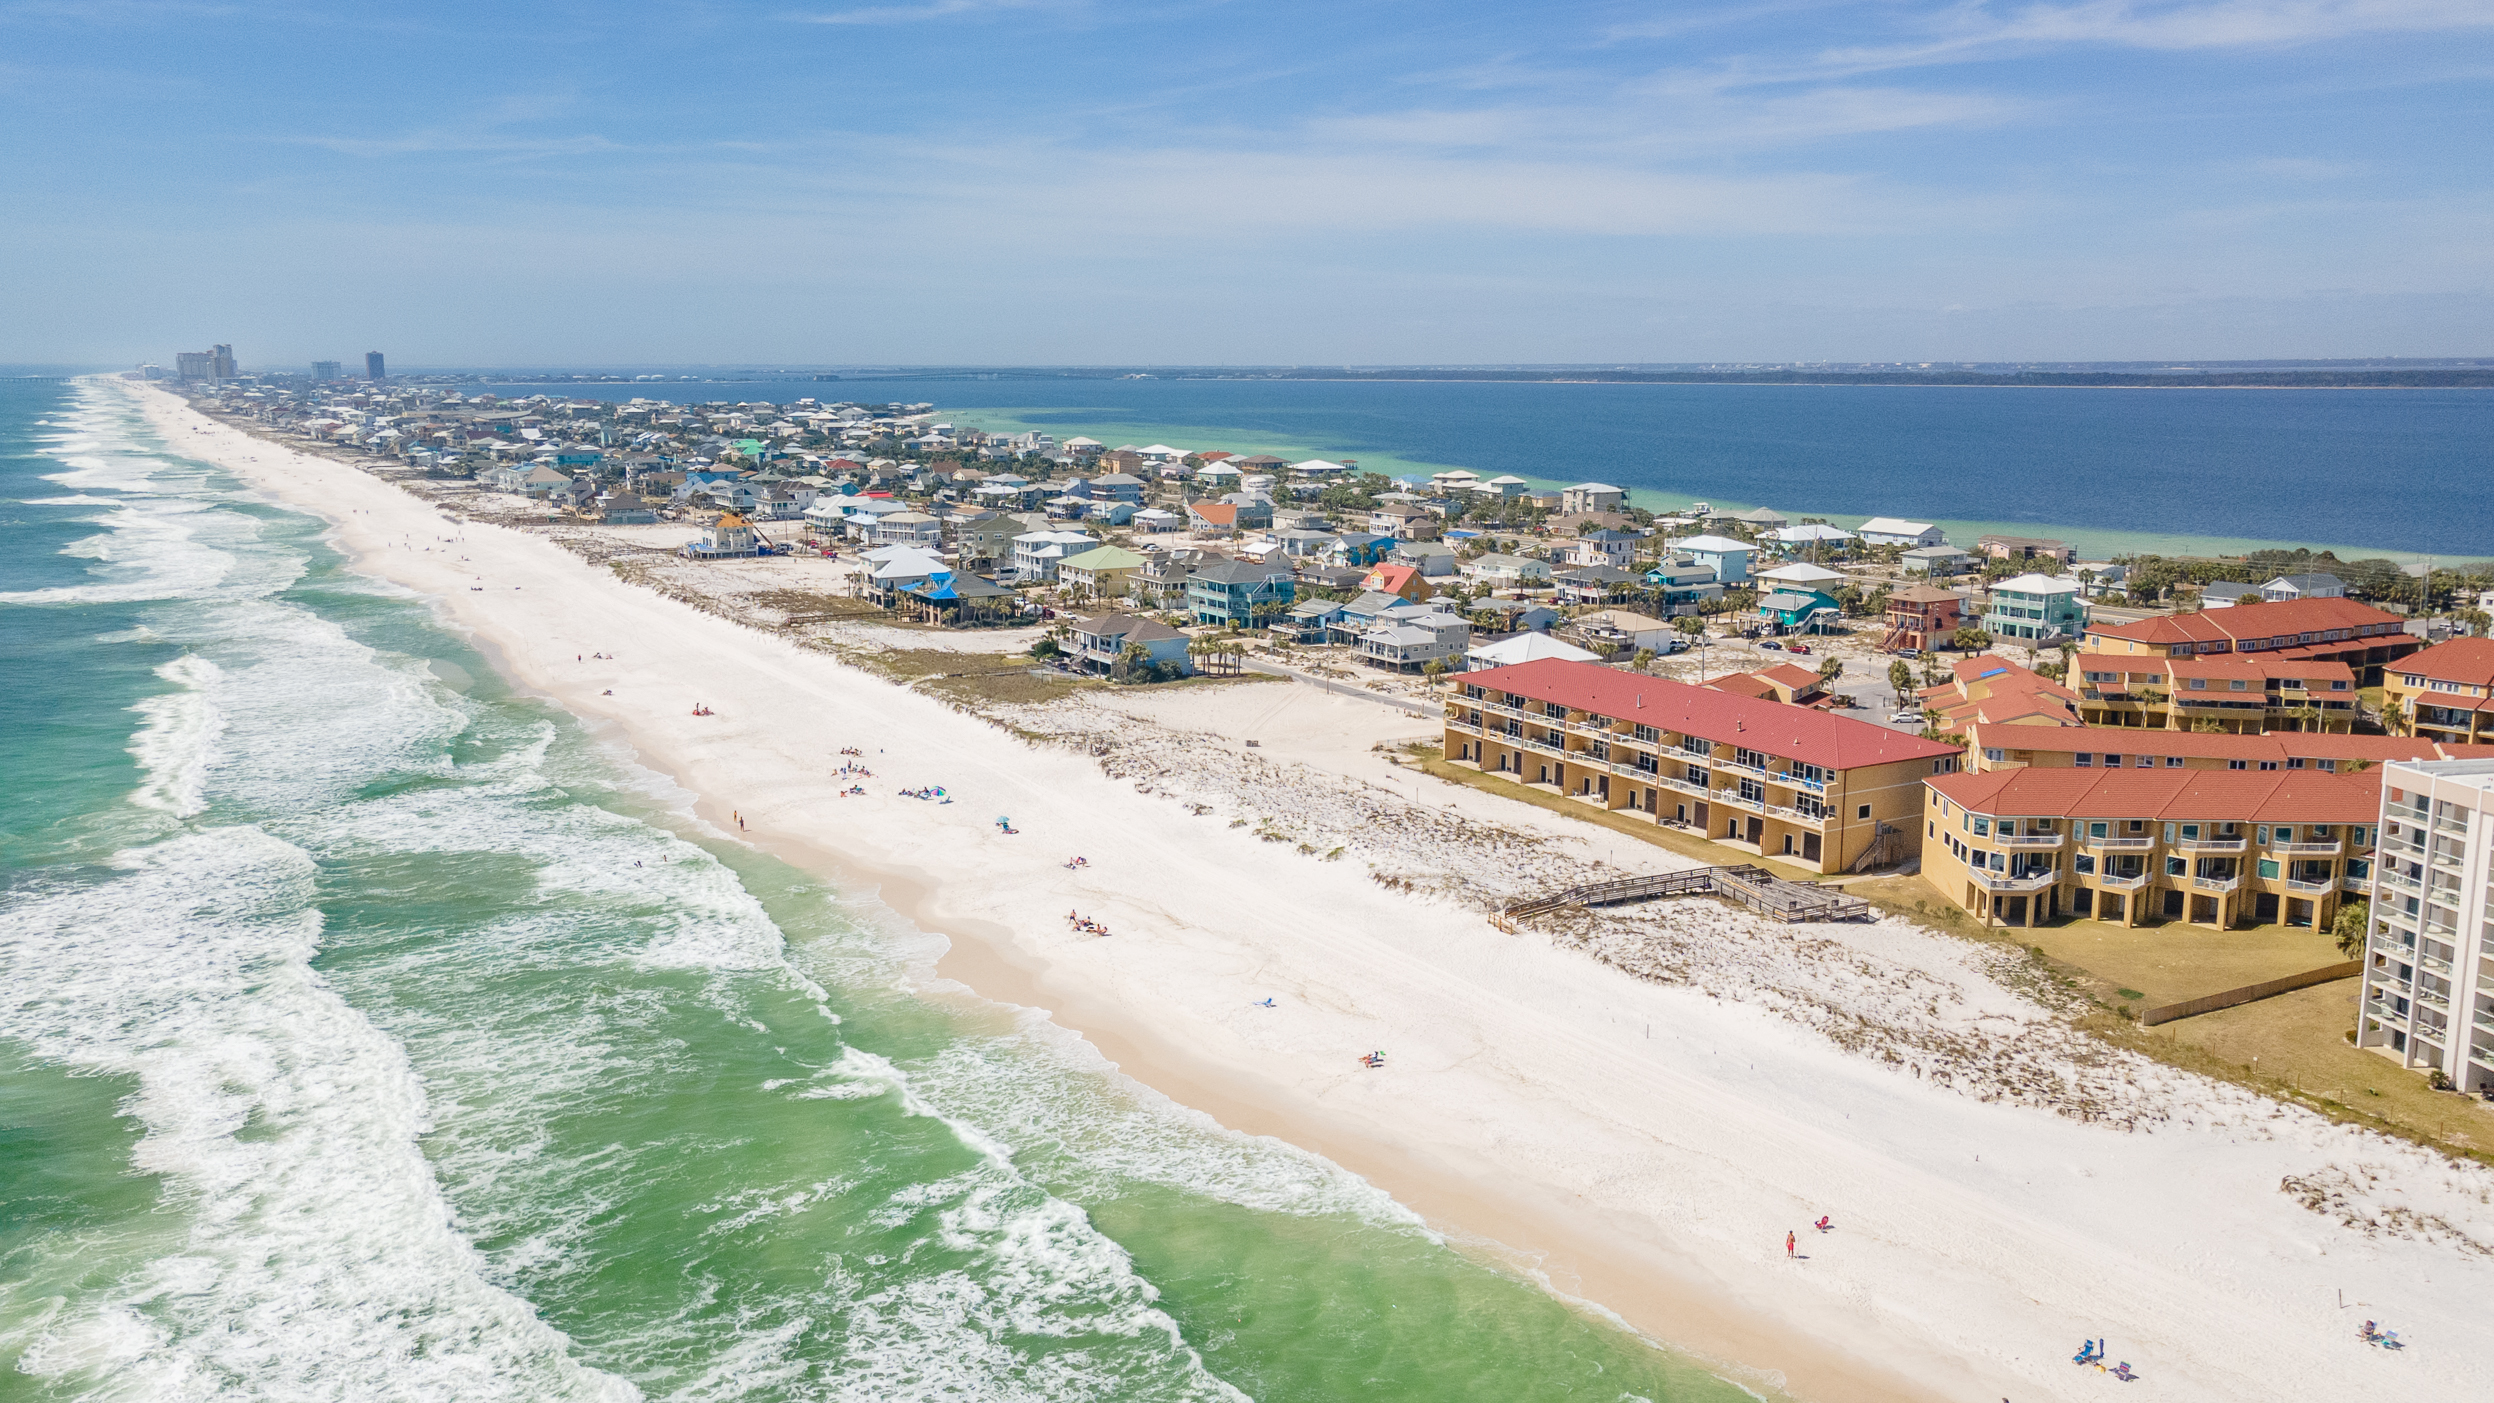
(1811, 534)
(2286, 587)
(1525, 647)
(1896, 531)
(1505, 485)
(1803, 575)
(1507, 571)
(1939, 562)
(1035, 555)
(1591, 497)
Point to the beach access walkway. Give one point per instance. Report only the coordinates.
(1773, 897)
(1416, 708)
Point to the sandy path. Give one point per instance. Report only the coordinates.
(1648, 1145)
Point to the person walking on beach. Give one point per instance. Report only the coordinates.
(1789, 1240)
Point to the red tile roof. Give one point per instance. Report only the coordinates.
(2284, 622)
(2244, 796)
(2469, 661)
(1744, 684)
(2269, 745)
(1795, 732)
(1791, 675)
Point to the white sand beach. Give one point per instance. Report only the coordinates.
(2000, 1186)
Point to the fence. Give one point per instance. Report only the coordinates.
(2250, 993)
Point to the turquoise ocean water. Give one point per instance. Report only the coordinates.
(2398, 472)
(368, 1032)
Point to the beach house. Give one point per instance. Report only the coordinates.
(1099, 573)
(2023, 846)
(1896, 531)
(2314, 586)
(1937, 562)
(1036, 554)
(1759, 776)
(1591, 497)
(1403, 581)
(1617, 549)
(1921, 618)
(1500, 571)
(2025, 548)
(728, 538)
(1729, 559)
(1230, 591)
(1525, 647)
(1100, 644)
(2034, 608)
(1411, 637)
(2444, 693)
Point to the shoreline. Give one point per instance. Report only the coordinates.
(1640, 1177)
(1663, 1301)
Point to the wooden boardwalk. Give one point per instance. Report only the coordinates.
(1754, 887)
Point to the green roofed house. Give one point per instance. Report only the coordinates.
(1100, 573)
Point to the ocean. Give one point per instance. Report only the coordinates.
(369, 1031)
(2404, 473)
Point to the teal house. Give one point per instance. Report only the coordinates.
(1790, 608)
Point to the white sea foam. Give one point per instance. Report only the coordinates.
(319, 1252)
(177, 744)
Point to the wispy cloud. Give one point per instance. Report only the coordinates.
(918, 14)
(1978, 30)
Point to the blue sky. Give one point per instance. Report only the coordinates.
(1032, 181)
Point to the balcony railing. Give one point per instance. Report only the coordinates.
(2215, 884)
(1807, 820)
(2026, 840)
(2435, 963)
(2308, 849)
(2118, 882)
(2308, 888)
(1739, 800)
(2210, 845)
(2030, 882)
(2118, 844)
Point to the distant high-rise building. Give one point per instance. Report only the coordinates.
(216, 363)
(372, 366)
(325, 370)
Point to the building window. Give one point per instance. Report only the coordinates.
(1862, 812)
(2175, 867)
(2085, 759)
(2172, 762)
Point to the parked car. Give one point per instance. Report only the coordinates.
(1907, 718)
(1909, 652)
(1770, 643)
(1797, 648)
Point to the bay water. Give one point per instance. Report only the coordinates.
(370, 1032)
(2173, 470)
